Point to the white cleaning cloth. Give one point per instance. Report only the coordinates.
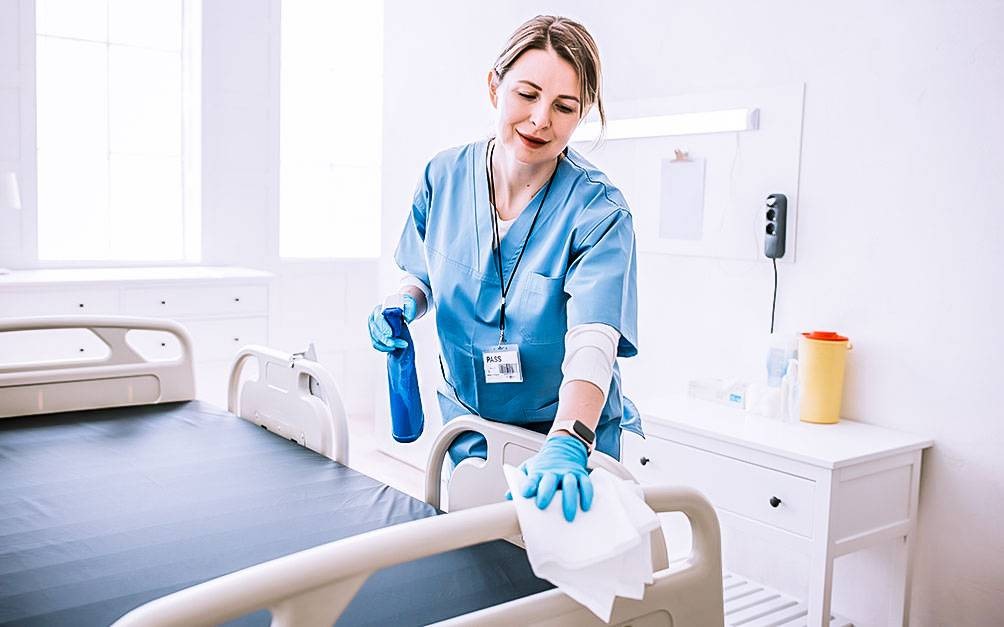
(603, 553)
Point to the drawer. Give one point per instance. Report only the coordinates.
(29, 303)
(173, 301)
(154, 345)
(730, 484)
(221, 339)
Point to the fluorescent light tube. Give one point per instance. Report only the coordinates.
(725, 121)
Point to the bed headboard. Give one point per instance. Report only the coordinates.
(282, 400)
(122, 377)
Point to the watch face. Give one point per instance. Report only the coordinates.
(583, 431)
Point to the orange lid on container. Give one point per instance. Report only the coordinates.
(826, 336)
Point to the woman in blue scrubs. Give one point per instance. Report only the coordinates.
(527, 252)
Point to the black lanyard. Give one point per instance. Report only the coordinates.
(497, 241)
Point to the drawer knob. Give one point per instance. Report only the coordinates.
(774, 501)
(163, 302)
(237, 339)
(644, 460)
(237, 299)
(80, 304)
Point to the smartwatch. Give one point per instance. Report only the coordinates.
(579, 431)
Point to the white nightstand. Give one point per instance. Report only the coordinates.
(818, 491)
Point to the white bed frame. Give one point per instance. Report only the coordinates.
(475, 481)
(122, 378)
(314, 586)
(282, 400)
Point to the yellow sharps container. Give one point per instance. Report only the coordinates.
(821, 359)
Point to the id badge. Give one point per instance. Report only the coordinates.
(502, 364)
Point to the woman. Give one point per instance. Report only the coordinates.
(528, 253)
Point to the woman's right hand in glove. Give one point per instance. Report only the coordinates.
(381, 335)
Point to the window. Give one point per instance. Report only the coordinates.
(330, 129)
(118, 130)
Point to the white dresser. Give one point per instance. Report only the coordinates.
(223, 308)
(791, 498)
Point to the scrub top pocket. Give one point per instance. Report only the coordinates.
(541, 314)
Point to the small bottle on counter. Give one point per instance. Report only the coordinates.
(729, 392)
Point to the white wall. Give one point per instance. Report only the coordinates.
(899, 226)
(239, 131)
(17, 112)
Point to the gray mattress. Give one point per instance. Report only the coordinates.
(104, 510)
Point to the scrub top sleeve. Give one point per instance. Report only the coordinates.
(410, 253)
(601, 281)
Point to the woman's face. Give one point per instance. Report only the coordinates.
(538, 106)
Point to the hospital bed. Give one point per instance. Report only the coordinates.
(124, 499)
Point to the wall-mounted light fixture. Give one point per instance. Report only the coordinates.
(725, 121)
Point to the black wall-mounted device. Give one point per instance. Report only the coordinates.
(777, 223)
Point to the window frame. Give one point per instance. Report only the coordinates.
(191, 157)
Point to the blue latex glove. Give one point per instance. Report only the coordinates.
(381, 335)
(560, 463)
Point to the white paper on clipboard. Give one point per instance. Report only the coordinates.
(681, 201)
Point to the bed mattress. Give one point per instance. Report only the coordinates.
(104, 510)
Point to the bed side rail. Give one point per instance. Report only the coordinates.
(481, 481)
(122, 377)
(313, 587)
(283, 400)
(475, 482)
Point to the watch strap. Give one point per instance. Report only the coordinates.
(578, 430)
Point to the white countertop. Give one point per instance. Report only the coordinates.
(830, 446)
(80, 276)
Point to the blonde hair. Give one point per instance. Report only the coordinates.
(570, 41)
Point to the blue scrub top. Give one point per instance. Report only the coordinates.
(579, 267)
